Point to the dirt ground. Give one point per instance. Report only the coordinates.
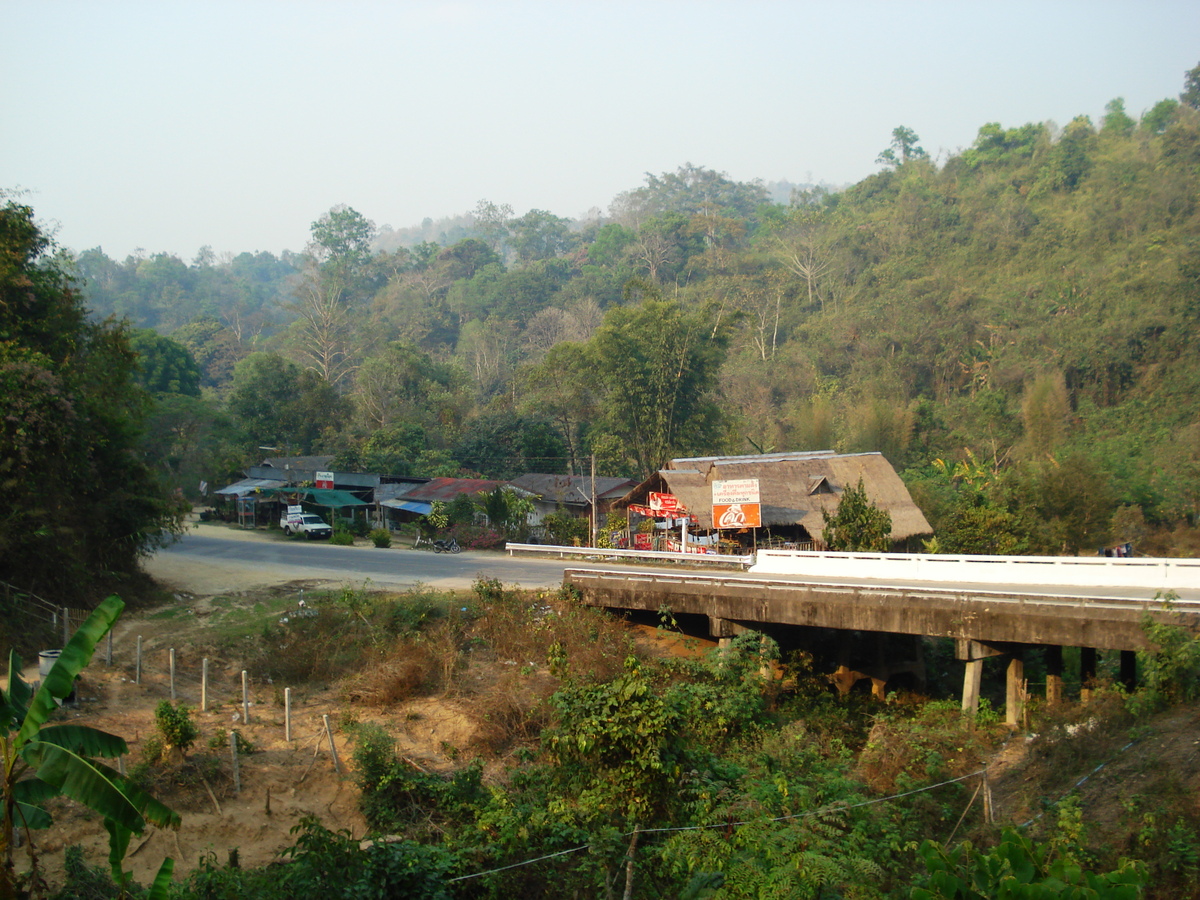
(282, 781)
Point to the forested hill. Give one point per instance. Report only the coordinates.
(1015, 328)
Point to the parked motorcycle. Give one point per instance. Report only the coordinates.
(450, 546)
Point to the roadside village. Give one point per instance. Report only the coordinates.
(712, 504)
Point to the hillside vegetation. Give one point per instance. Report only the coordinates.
(1013, 327)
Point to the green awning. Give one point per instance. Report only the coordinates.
(323, 496)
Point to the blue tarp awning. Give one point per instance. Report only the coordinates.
(415, 506)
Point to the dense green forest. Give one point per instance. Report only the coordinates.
(1013, 327)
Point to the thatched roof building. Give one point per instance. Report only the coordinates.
(793, 487)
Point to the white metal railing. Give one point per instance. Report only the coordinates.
(1075, 571)
(562, 552)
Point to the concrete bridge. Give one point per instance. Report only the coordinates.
(989, 606)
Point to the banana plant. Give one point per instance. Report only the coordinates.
(42, 760)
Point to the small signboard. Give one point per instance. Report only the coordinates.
(736, 504)
(642, 542)
(324, 480)
(666, 505)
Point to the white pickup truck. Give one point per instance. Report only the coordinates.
(306, 524)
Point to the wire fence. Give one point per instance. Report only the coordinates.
(255, 705)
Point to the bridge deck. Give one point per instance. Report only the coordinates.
(1106, 619)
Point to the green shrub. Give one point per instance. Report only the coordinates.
(381, 538)
(342, 537)
(175, 725)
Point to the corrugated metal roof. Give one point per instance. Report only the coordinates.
(446, 489)
(247, 486)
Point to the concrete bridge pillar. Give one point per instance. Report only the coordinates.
(1054, 675)
(971, 682)
(1014, 700)
(1129, 670)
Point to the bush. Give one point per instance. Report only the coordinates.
(342, 537)
(175, 725)
(381, 538)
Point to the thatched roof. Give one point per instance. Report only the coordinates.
(793, 487)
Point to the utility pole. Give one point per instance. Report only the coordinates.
(594, 522)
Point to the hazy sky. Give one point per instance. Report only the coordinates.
(172, 125)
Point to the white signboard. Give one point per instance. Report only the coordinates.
(730, 493)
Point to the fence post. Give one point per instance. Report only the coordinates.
(138, 677)
(287, 714)
(245, 699)
(237, 775)
(108, 657)
(332, 749)
(171, 657)
(204, 685)
(66, 626)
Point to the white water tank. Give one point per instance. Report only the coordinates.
(46, 661)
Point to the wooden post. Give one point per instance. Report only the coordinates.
(66, 626)
(972, 679)
(1013, 704)
(108, 656)
(245, 699)
(1054, 677)
(237, 775)
(138, 676)
(332, 749)
(287, 714)
(171, 659)
(204, 685)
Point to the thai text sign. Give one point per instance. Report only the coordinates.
(736, 504)
(324, 479)
(743, 490)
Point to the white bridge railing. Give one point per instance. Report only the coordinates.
(1074, 571)
(594, 553)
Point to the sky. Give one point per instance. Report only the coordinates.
(172, 125)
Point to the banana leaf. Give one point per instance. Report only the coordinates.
(30, 794)
(84, 740)
(60, 680)
(162, 881)
(26, 816)
(16, 698)
(152, 810)
(81, 779)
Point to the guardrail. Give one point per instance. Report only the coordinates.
(703, 559)
(1074, 571)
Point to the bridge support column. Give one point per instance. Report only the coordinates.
(1014, 700)
(1087, 672)
(1054, 675)
(1129, 670)
(971, 682)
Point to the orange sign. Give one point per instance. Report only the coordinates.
(736, 515)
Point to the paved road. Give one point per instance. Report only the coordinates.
(213, 560)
